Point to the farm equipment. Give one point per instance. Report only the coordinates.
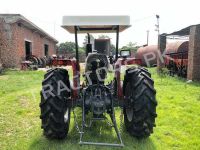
(33, 63)
(176, 58)
(135, 95)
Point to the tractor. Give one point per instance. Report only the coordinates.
(135, 94)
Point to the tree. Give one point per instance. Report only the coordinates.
(67, 47)
(130, 46)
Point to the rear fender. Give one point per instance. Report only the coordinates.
(117, 67)
(76, 73)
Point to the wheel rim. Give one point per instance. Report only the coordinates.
(66, 115)
(129, 110)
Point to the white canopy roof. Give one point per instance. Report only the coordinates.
(96, 24)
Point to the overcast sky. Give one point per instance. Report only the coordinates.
(47, 14)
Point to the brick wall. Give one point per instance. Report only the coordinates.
(162, 47)
(12, 43)
(194, 54)
(7, 54)
(2, 40)
(37, 41)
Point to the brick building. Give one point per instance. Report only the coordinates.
(20, 38)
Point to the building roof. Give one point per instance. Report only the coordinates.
(182, 32)
(96, 24)
(17, 18)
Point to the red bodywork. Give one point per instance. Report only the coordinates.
(180, 59)
(150, 51)
(121, 62)
(177, 52)
(76, 72)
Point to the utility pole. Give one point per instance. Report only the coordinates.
(158, 29)
(158, 24)
(147, 37)
(158, 45)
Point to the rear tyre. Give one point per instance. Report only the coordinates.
(140, 102)
(55, 112)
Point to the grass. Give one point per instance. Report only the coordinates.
(178, 121)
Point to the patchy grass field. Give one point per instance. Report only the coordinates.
(178, 122)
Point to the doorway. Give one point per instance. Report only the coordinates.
(46, 50)
(28, 49)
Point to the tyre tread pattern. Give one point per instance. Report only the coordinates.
(53, 107)
(143, 102)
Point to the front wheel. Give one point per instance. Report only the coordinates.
(55, 113)
(140, 102)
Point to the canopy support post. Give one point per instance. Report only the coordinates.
(117, 42)
(76, 45)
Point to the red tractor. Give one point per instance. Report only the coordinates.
(135, 95)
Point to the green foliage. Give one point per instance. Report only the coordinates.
(130, 46)
(67, 47)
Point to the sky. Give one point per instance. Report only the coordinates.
(47, 14)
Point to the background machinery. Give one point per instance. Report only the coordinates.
(175, 57)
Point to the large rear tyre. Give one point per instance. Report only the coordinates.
(55, 113)
(140, 102)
